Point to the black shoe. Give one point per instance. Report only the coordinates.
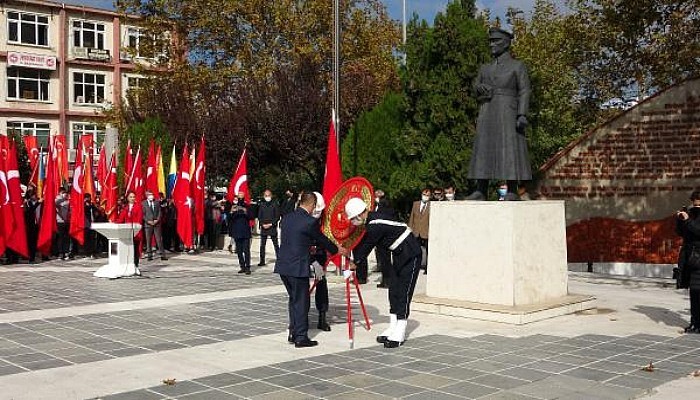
(391, 344)
(150, 258)
(305, 343)
(290, 338)
(476, 195)
(247, 272)
(382, 339)
(164, 258)
(262, 264)
(689, 328)
(322, 323)
(241, 271)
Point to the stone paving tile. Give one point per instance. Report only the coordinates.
(402, 374)
(23, 291)
(135, 395)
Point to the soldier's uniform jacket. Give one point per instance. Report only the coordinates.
(384, 232)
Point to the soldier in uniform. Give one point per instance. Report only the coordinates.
(319, 259)
(299, 232)
(406, 255)
(500, 148)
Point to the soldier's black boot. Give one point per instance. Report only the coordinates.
(322, 323)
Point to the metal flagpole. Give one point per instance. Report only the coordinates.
(336, 70)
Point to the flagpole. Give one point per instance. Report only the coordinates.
(336, 69)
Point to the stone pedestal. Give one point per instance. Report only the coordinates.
(120, 249)
(499, 261)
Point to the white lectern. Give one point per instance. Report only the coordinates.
(121, 249)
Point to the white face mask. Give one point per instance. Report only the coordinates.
(450, 196)
(268, 198)
(424, 198)
(317, 214)
(150, 197)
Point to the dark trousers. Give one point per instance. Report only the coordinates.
(299, 302)
(137, 251)
(150, 231)
(402, 286)
(321, 295)
(211, 229)
(89, 243)
(695, 307)
(32, 237)
(243, 252)
(384, 261)
(424, 243)
(62, 239)
(263, 244)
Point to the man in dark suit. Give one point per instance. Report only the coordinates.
(299, 232)
(152, 224)
(268, 217)
(239, 229)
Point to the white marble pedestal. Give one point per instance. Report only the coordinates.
(498, 261)
(120, 249)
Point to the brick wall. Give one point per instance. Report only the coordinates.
(623, 180)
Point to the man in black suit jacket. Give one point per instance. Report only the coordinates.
(299, 232)
(152, 225)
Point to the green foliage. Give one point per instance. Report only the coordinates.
(141, 134)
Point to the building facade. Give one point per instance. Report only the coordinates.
(61, 66)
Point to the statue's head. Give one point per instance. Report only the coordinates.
(499, 41)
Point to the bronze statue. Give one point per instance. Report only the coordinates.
(500, 148)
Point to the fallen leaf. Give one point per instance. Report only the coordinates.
(648, 368)
(169, 381)
(696, 373)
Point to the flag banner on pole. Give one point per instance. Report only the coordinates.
(41, 174)
(239, 181)
(8, 219)
(152, 170)
(31, 144)
(77, 205)
(102, 168)
(128, 165)
(172, 174)
(198, 192)
(17, 241)
(110, 194)
(61, 151)
(160, 172)
(88, 149)
(333, 177)
(183, 200)
(48, 210)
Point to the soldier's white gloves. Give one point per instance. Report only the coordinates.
(347, 274)
(319, 272)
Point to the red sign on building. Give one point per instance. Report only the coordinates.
(31, 60)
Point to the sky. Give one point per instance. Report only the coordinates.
(424, 8)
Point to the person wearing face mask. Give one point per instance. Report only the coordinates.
(450, 193)
(132, 213)
(500, 147)
(502, 191)
(406, 254)
(239, 229)
(419, 222)
(62, 205)
(212, 220)
(268, 217)
(152, 225)
(438, 195)
(300, 230)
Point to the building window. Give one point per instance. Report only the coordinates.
(95, 130)
(134, 82)
(88, 34)
(39, 129)
(88, 88)
(28, 84)
(28, 28)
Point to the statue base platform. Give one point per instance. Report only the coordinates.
(499, 261)
(516, 315)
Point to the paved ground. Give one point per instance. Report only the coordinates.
(220, 335)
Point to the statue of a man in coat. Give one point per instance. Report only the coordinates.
(500, 148)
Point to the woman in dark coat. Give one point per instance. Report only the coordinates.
(238, 219)
(688, 227)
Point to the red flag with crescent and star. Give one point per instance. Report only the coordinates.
(18, 240)
(47, 227)
(239, 181)
(32, 146)
(77, 205)
(198, 189)
(183, 200)
(8, 219)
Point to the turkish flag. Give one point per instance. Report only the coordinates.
(128, 165)
(239, 181)
(198, 188)
(77, 206)
(152, 170)
(61, 152)
(110, 191)
(88, 151)
(102, 168)
(30, 143)
(8, 219)
(183, 200)
(47, 226)
(135, 181)
(18, 240)
(333, 177)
